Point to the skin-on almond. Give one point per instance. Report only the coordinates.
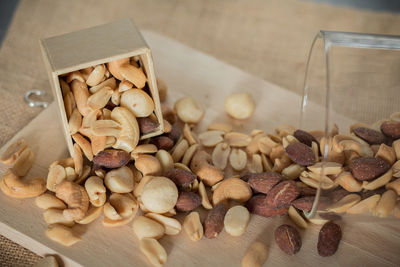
(214, 222)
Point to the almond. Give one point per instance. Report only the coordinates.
(188, 201)
(181, 177)
(112, 158)
(214, 222)
(263, 182)
(391, 129)
(369, 135)
(365, 169)
(258, 205)
(301, 154)
(288, 239)
(328, 239)
(162, 142)
(304, 137)
(147, 125)
(282, 194)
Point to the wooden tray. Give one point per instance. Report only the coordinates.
(190, 72)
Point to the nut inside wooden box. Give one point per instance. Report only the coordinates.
(80, 45)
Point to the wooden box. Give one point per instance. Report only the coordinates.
(97, 45)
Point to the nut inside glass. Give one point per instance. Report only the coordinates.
(350, 78)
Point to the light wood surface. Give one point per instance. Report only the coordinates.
(209, 80)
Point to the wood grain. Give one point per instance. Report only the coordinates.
(209, 80)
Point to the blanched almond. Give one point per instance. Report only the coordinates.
(238, 159)
(220, 155)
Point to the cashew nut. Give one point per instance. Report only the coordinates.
(124, 204)
(67, 162)
(75, 197)
(98, 143)
(13, 152)
(56, 175)
(24, 162)
(96, 191)
(52, 216)
(232, 188)
(113, 67)
(109, 82)
(81, 95)
(105, 128)
(48, 201)
(148, 165)
(92, 214)
(138, 102)
(343, 142)
(120, 180)
(128, 137)
(14, 186)
(62, 234)
(100, 99)
(139, 188)
(75, 75)
(107, 222)
(201, 166)
(133, 74)
(96, 76)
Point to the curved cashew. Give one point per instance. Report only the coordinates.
(128, 137)
(48, 201)
(113, 67)
(120, 180)
(148, 165)
(24, 162)
(62, 234)
(75, 197)
(89, 119)
(115, 223)
(232, 188)
(348, 182)
(56, 175)
(96, 76)
(109, 82)
(343, 142)
(13, 152)
(52, 216)
(124, 204)
(14, 186)
(133, 74)
(201, 166)
(75, 75)
(84, 145)
(100, 99)
(92, 214)
(96, 191)
(81, 95)
(86, 72)
(98, 143)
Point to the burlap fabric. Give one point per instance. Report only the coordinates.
(269, 39)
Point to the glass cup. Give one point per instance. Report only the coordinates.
(352, 85)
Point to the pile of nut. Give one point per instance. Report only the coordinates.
(230, 174)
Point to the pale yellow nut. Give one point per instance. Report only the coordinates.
(266, 144)
(289, 139)
(193, 227)
(296, 218)
(165, 159)
(148, 165)
(236, 139)
(162, 89)
(386, 204)
(109, 82)
(128, 137)
(236, 220)
(159, 195)
(85, 174)
(202, 167)
(113, 67)
(52, 216)
(205, 201)
(396, 210)
(327, 168)
(180, 149)
(139, 187)
(188, 110)
(188, 134)
(65, 89)
(81, 96)
(187, 157)
(78, 160)
(138, 102)
(219, 126)
(341, 142)
(13, 152)
(394, 185)
(267, 165)
(144, 227)
(240, 105)
(119, 180)
(125, 85)
(75, 121)
(220, 155)
(145, 149)
(396, 147)
(67, 162)
(124, 204)
(105, 128)
(92, 214)
(133, 74)
(232, 188)
(211, 138)
(86, 72)
(116, 223)
(293, 171)
(253, 148)
(96, 191)
(255, 165)
(96, 76)
(48, 201)
(182, 166)
(285, 129)
(100, 99)
(89, 119)
(172, 226)
(315, 149)
(14, 186)
(345, 203)
(387, 153)
(318, 221)
(153, 251)
(378, 182)
(238, 159)
(24, 162)
(75, 75)
(56, 175)
(110, 212)
(313, 180)
(116, 98)
(106, 114)
(69, 104)
(365, 205)
(62, 235)
(167, 126)
(348, 182)
(75, 197)
(84, 145)
(70, 174)
(255, 255)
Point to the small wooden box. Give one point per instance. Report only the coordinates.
(89, 47)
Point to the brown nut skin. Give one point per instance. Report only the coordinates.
(370, 136)
(368, 168)
(263, 182)
(147, 125)
(288, 239)
(112, 158)
(187, 201)
(300, 154)
(175, 133)
(306, 203)
(337, 194)
(214, 222)
(307, 191)
(304, 137)
(181, 177)
(328, 239)
(391, 129)
(257, 205)
(282, 194)
(162, 142)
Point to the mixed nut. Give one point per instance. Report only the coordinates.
(229, 174)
